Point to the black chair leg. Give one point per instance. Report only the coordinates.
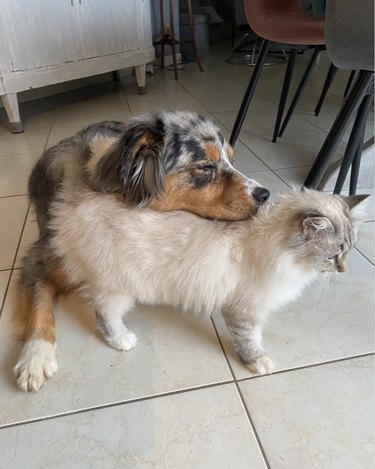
(327, 84)
(355, 169)
(284, 92)
(338, 129)
(249, 92)
(300, 88)
(350, 81)
(354, 145)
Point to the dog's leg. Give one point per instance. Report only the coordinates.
(109, 320)
(37, 362)
(247, 340)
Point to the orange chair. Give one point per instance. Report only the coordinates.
(282, 21)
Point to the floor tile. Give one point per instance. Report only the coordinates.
(166, 94)
(15, 172)
(4, 277)
(366, 242)
(297, 148)
(201, 429)
(12, 217)
(321, 417)
(32, 141)
(329, 321)
(295, 177)
(173, 352)
(271, 181)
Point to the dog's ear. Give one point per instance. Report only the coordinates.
(140, 164)
(134, 166)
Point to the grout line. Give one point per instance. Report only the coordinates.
(251, 422)
(363, 255)
(117, 404)
(14, 261)
(9, 196)
(312, 365)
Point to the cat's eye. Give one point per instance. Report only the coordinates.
(330, 258)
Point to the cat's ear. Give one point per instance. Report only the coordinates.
(356, 203)
(314, 224)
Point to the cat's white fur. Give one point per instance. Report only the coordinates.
(120, 256)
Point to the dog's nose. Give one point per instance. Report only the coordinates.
(261, 194)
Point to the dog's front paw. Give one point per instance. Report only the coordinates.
(261, 365)
(125, 341)
(36, 365)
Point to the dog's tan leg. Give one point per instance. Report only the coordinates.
(37, 362)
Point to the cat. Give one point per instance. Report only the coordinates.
(117, 256)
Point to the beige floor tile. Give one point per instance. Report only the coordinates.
(366, 242)
(28, 142)
(173, 352)
(4, 277)
(200, 429)
(12, 217)
(321, 417)
(328, 322)
(14, 173)
(270, 180)
(298, 148)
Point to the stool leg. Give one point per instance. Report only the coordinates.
(284, 92)
(192, 33)
(356, 137)
(300, 88)
(249, 92)
(338, 129)
(173, 39)
(327, 84)
(350, 81)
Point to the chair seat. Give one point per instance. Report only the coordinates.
(293, 28)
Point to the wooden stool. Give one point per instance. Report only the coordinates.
(168, 37)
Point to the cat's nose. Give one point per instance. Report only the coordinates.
(261, 194)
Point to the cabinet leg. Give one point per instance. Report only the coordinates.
(11, 106)
(140, 73)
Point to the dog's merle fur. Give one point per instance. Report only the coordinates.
(168, 161)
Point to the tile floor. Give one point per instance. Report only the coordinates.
(181, 398)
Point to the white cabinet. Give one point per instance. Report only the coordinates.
(50, 41)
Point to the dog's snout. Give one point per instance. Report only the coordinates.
(261, 194)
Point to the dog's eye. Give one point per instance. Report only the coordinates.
(207, 168)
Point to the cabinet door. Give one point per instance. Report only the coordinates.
(37, 33)
(110, 26)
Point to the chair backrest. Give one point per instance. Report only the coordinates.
(349, 30)
(258, 12)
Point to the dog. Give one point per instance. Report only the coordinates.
(173, 160)
(117, 256)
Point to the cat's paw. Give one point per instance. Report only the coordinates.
(36, 365)
(124, 341)
(261, 365)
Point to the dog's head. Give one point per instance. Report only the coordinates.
(181, 161)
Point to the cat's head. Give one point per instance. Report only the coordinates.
(328, 228)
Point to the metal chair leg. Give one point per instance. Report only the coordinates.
(300, 88)
(338, 129)
(327, 84)
(284, 92)
(355, 140)
(350, 81)
(249, 92)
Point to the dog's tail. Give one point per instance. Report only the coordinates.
(60, 163)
